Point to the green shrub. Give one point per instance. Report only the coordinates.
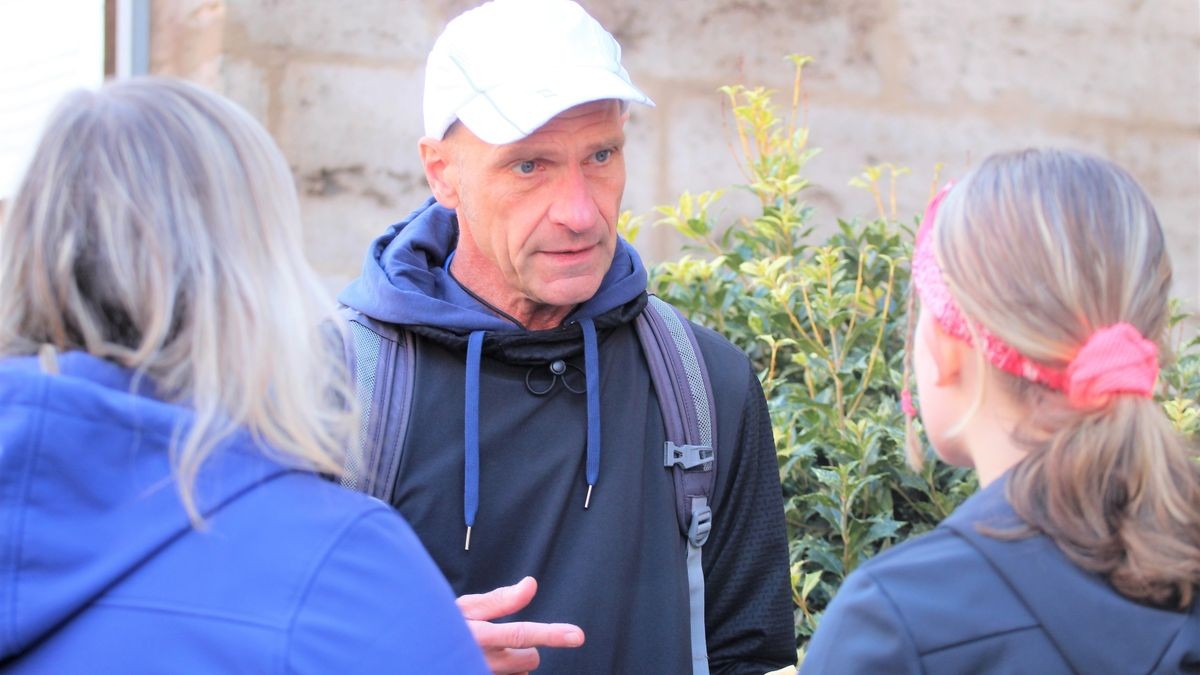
(824, 325)
(1180, 380)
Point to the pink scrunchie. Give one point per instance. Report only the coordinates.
(1114, 360)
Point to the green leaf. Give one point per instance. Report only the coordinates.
(810, 582)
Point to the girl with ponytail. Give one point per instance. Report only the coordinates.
(1042, 279)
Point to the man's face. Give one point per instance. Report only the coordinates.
(537, 218)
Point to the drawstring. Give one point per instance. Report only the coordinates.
(471, 434)
(591, 372)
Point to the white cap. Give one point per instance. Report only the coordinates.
(507, 67)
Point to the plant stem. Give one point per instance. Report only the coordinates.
(883, 323)
(892, 196)
(858, 282)
(878, 199)
(771, 368)
(795, 321)
(812, 318)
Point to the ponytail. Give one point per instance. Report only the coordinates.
(1118, 490)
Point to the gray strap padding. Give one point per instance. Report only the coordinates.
(366, 357)
(395, 399)
(697, 405)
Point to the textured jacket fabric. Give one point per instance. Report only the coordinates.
(617, 569)
(958, 601)
(102, 572)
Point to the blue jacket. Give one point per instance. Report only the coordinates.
(958, 601)
(101, 571)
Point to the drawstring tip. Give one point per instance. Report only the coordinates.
(588, 499)
(467, 545)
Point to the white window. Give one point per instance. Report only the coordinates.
(47, 48)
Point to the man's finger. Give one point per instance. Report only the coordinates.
(522, 634)
(512, 661)
(498, 603)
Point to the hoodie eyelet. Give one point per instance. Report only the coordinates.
(540, 382)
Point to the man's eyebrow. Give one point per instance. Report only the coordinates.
(615, 141)
(507, 154)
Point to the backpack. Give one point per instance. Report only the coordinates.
(381, 355)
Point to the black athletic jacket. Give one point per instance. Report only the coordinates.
(617, 568)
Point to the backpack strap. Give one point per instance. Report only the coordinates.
(380, 355)
(685, 396)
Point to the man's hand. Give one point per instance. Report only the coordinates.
(511, 648)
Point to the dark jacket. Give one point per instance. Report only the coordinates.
(616, 569)
(958, 601)
(102, 572)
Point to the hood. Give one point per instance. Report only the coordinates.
(1099, 631)
(406, 281)
(86, 493)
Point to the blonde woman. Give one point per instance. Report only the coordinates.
(167, 400)
(1043, 282)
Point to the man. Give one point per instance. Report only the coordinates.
(521, 301)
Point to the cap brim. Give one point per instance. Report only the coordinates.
(508, 113)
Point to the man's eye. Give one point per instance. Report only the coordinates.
(525, 168)
(603, 156)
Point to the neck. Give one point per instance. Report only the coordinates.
(509, 305)
(991, 465)
(989, 437)
(552, 317)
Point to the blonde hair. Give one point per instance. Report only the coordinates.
(158, 228)
(1043, 248)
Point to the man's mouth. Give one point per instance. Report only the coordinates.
(567, 254)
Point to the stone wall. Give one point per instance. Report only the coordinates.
(911, 82)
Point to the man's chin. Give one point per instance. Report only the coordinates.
(570, 292)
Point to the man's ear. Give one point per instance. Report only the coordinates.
(949, 353)
(437, 157)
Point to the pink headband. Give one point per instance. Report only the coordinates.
(1114, 360)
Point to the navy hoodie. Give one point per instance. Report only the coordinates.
(958, 601)
(101, 570)
(511, 428)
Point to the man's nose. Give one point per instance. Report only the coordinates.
(574, 206)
